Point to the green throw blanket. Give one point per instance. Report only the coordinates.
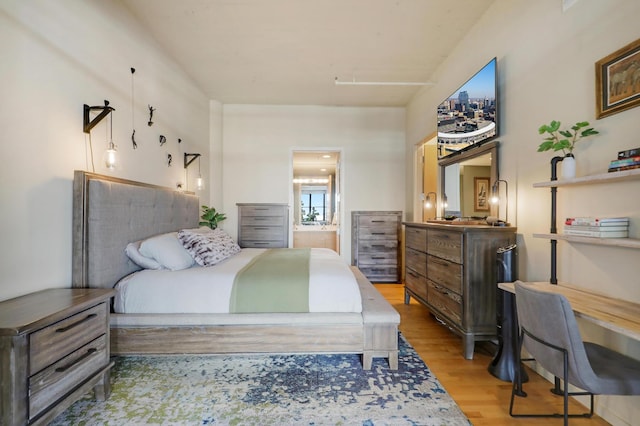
(274, 281)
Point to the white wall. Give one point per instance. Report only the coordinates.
(546, 71)
(258, 141)
(55, 57)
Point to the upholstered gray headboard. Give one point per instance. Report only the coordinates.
(109, 213)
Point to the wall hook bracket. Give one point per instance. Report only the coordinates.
(89, 124)
(189, 158)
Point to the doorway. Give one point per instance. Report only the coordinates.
(316, 199)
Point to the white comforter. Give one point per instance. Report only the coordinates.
(332, 287)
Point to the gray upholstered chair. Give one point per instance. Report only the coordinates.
(549, 332)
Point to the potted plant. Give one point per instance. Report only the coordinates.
(565, 141)
(210, 217)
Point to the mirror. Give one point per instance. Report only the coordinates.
(315, 187)
(466, 179)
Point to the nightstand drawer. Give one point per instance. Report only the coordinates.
(48, 345)
(48, 385)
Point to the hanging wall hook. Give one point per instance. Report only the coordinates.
(89, 124)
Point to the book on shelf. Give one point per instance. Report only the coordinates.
(597, 221)
(629, 161)
(628, 153)
(621, 168)
(614, 228)
(597, 234)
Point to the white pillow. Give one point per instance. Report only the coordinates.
(167, 250)
(208, 247)
(133, 252)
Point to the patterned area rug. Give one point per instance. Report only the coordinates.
(269, 390)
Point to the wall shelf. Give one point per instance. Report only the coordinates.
(612, 242)
(592, 179)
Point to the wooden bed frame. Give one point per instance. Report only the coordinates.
(109, 213)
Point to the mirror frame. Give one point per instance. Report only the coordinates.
(474, 151)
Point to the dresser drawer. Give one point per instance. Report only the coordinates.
(262, 244)
(445, 273)
(377, 246)
(263, 221)
(446, 302)
(257, 210)
(447, 245)
(372, 220)
(417, 261)
(416, 238)
(380, 273)
(48, 345)
(416, 283)
(379, 258)
(48, 385)
(261, 233)
(383, 232)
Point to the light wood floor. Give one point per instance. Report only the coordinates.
(481, 396)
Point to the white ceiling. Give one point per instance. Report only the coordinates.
(289, 52)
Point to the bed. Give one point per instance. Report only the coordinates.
(111, 213)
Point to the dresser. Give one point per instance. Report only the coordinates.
(54, 348)
(452, 270)
(375, 239)
(263, 225)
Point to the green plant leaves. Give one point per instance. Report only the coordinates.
(211, 217)
(553, 141)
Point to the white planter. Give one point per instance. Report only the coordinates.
(568, 167)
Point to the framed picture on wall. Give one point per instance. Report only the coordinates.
(618, 80)
(481, 194)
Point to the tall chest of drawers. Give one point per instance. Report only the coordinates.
(54, 348)
(375, 239)
(452, 270)
(263, 225)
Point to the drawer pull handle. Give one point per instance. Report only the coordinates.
(377, 257)
(260, 228)
(75, 324)
(89, 352)
(378, 233)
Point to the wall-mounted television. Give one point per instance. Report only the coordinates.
(470, 115)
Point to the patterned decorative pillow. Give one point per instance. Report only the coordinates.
(208, 247)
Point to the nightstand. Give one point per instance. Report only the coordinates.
(54, 348)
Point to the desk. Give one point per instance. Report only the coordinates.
(617, 315)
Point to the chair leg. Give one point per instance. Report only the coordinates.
(516, 388)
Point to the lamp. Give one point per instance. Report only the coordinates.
(428, 203)
(445, 204)
(110, 158)
(495, 197)
(188, 159)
